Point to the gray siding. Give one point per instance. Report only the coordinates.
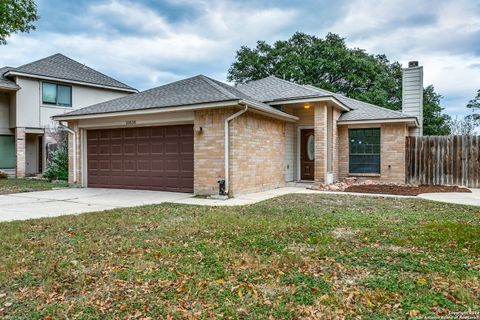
(32, 113)
(412, 96)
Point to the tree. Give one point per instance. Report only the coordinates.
(58, 165)
(463, 126)
(329, 64)
(16, 16)
(435, 123)
(474, 106)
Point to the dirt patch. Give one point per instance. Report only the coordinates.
(404, 190)
(301, 247)
(344, 233)
(395, 248)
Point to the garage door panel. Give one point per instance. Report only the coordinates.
(172, 132)
(117, 165)
(171, 148)
(116, 134)
(116, 149)
(104, 135)
(129, 148)
(151, 158)
(143, 148)
(157, 148)
(143, 165)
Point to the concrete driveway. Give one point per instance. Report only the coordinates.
(472, 199)
(22, 206)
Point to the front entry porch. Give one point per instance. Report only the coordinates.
(29, 149)
(311, 143)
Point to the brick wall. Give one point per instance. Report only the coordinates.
(335, 145)
(257, 153)
(209, 149)
(320, 143)
(392, 156)
(20, 150)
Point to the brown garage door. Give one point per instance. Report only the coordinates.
(150, 158)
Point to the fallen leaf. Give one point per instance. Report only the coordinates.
(414, 313)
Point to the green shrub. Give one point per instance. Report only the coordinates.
(58, 165)
(3, 175)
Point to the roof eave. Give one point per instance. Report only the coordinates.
(10, 88)
(271, 113)
(337, 102)
(409, 120)
(192, 107)
(36, 76)
(260, 109)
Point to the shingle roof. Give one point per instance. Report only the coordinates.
(191, 91)
(361, 110)
(61, 67)
(6, 83)
(273, 89)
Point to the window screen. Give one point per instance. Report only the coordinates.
(49, 93)
(364, 148)
(56, 94)
(64, 95)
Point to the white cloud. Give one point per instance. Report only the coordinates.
(153, 46)
(141, 46)
(443, 41)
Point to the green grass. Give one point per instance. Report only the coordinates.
(13, 185)
(297, 256)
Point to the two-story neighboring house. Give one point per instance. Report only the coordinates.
(31, 94)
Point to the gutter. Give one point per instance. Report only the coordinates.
(382, 120)
(227, 146)
(74, 147)
(270, 112)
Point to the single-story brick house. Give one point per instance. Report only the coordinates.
(187, 135)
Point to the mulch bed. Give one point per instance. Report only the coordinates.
(404, 190)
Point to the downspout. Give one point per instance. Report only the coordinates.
(227, 147)
(74, 147)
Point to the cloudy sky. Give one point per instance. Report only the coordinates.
(151, 42)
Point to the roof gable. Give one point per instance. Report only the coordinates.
(61, 67)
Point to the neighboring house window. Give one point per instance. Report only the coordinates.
(56, 94)
(364, 148)
(7, 152)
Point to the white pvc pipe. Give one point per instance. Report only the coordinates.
(74, 147)
(227, 147)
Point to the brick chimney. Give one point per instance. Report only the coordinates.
(412, 94)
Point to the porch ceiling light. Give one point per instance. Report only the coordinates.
(306, 106)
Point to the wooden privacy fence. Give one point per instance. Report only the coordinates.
(453, 160)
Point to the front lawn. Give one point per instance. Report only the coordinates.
(297, 256)
(13, 185)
